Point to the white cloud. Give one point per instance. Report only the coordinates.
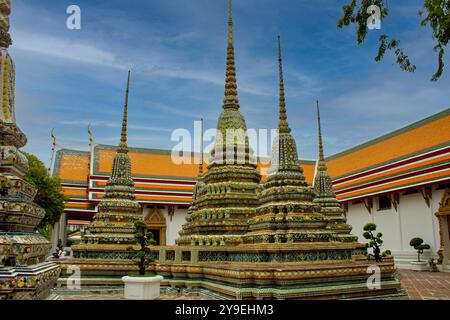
(63, 48)
(110, 124)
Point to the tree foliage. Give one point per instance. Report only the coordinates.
(49, 193)
(435, 13)
(417, 243)
(144, 239)
(375, 241)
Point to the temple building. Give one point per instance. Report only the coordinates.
(398, 181)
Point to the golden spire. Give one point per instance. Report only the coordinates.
(123, 147)
(322, 165)
(283, 126)
(5, 11)
(200, 166)
(231, 100)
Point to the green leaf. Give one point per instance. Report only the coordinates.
(370, 227)
(415, 242)
(49, 192)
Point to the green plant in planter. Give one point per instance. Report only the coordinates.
(375, 241)
(144, 239)
(417, 243)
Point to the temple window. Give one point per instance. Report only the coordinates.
(384, 203)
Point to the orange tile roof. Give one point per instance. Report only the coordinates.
(158, 163)
(74, 193)
(430, 132)
(72, 166)
(146, 163)
(396, 185)
(416, 155)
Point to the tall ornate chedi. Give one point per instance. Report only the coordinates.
(108, 249)
(111, 232)
(229, 194)
(118, 210)
(24, 274)
(326, 198)
(287, 212)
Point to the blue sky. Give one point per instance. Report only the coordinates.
(68, 79)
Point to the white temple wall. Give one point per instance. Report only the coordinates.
(357, 217)
(174, 225)
(413, 218)
(388, 223)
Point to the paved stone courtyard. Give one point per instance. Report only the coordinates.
(426, 285)
(418, 285)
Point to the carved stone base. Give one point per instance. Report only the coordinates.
(28, 283)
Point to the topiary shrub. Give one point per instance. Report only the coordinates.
(417, 243)
(375, 241)
(144, 239)
(386, 253)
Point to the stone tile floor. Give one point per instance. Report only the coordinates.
(119, 297)
(102, 294)
(426, 285)
(418, 285)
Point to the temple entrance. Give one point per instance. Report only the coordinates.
(156, 235)
(156, 224)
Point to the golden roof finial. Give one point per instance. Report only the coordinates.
(231, 100)
(322, 165)
(5, 11)
(283, 126)
(123, 147)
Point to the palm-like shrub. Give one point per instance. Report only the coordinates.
(417, 243)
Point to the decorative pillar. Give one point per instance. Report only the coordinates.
(63, 228)
(399, 220)
(443, 216)
(55, 236)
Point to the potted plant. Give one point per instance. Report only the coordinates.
(419, 245)
(142, 286)
(375, 241)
